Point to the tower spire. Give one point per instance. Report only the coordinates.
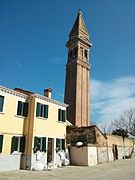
(79, 28)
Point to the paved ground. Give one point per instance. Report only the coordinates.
(119, 170)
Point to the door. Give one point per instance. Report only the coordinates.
(115, 152)
(50, 150)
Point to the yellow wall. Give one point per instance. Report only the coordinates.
(49, 126)
(6, 144)
(9, 121)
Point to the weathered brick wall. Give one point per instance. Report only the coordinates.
(118, 140)
(101, 140)
(88, 135)
(80, 134)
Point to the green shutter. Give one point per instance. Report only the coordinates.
(38, 110)
(25, 110)
(19, 108)
(44, 144)
(63, 144)
(58, 143)
(14, 144)
(35, 143)
(59, 115)
(1, 103)
(1, 142)
(22, 144)
(46, 111)
(63, 115)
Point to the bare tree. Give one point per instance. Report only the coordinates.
(125, 122)
(104, 128)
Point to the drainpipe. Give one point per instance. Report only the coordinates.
(30, 132)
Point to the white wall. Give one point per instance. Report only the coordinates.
(102, 155)
(92, 156)
(10, 162)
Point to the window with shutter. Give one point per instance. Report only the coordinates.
(60, 144)
(14, 145)
(22, 109)
(39, 144)
(1, 142)
(42, 110)
(61, 115)
(1, 103)
(18, 144)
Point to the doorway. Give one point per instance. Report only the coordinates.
(115, 152)
(50, 150)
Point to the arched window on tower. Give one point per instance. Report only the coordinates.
(86, 54)
(81, 51)
(70, 54)
(75, 51)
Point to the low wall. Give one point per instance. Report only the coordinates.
(10, 162)
(90, 156)
(79, 156)
(110, 154)
(102, 155)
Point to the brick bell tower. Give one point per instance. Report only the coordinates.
(77, 85)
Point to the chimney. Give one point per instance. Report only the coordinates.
(48, 92)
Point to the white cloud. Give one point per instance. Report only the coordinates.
(19, 65)
(109, 99)
(16, 63)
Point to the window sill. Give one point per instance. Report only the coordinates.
(16, 153)
(41, 118)
(2, 113)
(18, 116)
(61, 122)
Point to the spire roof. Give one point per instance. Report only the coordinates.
(79, 28)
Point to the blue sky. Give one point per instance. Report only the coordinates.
(33, 55)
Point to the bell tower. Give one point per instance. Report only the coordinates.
(77, 85)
